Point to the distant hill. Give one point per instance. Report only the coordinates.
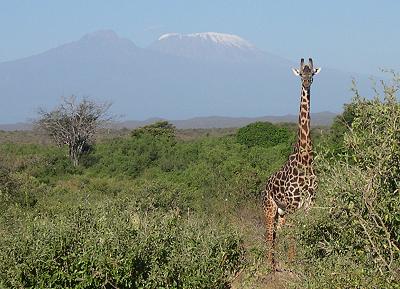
(176, 77)
(16, 126)
(317, 119)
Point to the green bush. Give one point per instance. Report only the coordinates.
(157, 129)
(129, 156)
(18, 189)
(263, 134)
(334, 139)
(111, 243)
(45, 163)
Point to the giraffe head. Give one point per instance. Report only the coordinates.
(306, 72)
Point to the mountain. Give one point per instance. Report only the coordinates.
(176, 77)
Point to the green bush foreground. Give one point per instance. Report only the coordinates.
(111, 243)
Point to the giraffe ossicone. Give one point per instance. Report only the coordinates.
(294, 185)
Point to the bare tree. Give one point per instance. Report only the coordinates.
(74, 123)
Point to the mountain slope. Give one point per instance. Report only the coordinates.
(225, 76)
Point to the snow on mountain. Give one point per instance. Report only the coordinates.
(207, 46)
(224, 39)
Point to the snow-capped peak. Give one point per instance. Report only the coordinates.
(214, 37)
(168, 35)
(208, 46)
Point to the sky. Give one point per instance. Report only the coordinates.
(356, 36)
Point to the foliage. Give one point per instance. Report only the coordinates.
(157, 129)
(263, 134)
(130, 156)
(340, 126)
(45, 163)
(111, 243)
(18, 189)
(74, 124)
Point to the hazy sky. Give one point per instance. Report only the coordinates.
(358, 35)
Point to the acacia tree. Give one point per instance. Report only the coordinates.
(74, 123)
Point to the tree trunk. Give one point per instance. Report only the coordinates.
(74, 155)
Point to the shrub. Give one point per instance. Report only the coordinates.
(157, 129)
(110, 243)
(18, 189)
(130, 156)
(340, 126)
(263, 134)
(42, 162)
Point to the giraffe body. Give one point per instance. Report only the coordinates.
(294, 185)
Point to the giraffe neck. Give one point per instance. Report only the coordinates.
(303, 146)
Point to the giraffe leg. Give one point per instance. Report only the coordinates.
(270, 221)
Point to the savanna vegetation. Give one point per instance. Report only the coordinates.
(157, 207)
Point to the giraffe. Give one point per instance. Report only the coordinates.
(294, 185)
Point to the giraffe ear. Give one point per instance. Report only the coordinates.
(296, 71)
(317, 70)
